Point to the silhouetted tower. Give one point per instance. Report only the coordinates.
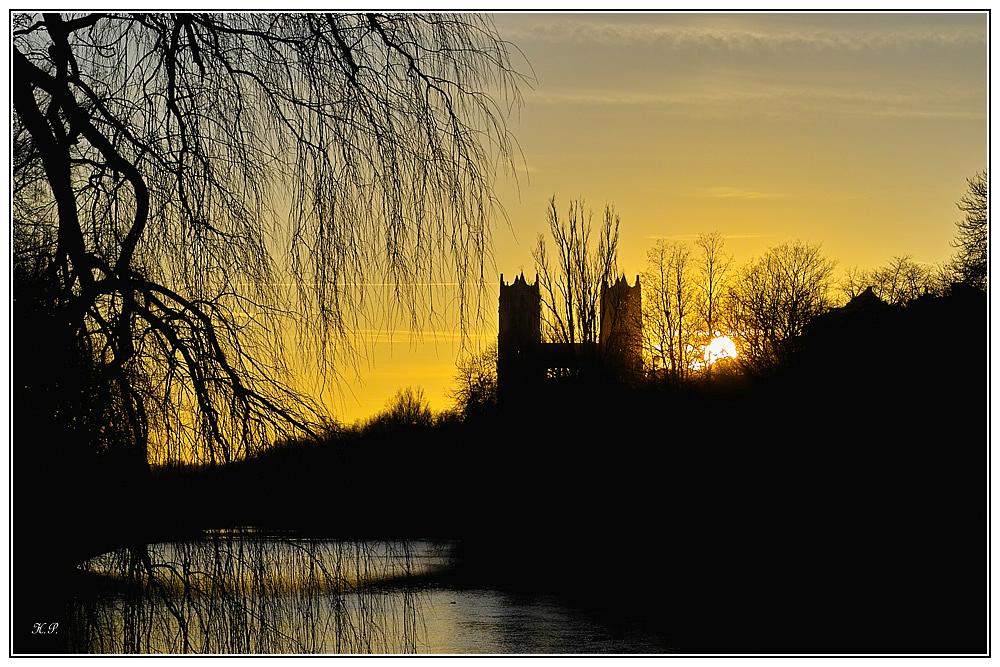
(621, 327)
(520, 335)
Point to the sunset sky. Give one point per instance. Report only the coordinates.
(854, 131)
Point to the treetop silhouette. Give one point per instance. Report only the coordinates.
(970, 262)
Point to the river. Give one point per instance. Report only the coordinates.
(251, 593)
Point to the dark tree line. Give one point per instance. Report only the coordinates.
(692, 296)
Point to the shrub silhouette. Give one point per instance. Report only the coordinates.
(408, 407)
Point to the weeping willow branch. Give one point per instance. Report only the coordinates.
(212, 182)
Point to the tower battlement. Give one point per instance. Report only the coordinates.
(524, 361)
(621, 326)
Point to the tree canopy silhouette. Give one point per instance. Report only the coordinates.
(969, 263)
(407, 408)
(475, 383)
(669, 308)
(713, 273)
(571, 283)
(897, 283)
(775, 296)
(193, 186)
(683, 309)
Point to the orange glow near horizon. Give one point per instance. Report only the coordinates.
(852, 130)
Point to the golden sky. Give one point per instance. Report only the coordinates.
(856, 131)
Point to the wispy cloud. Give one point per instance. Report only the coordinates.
(737, 193)
(629, 97)
(771, 99)
(694, 237)
(930, 114)
(748, 37)
(410, 337)
(724, 192)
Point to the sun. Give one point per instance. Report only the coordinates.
(721, 347)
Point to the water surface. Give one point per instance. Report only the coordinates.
(251, 593)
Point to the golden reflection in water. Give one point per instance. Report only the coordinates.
(242, 594)
(245, 593)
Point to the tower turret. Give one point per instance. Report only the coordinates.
(621, 326)
(520, 335)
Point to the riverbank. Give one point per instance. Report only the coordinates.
(835, 505)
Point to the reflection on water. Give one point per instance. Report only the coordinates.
(491, 621)
(232, 593)
(252, 593)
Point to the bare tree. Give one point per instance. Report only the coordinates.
(774, 297)
(571, 283)
(408, 407)
(900, 281)
(969, 265)
(476, 381)
(854, 282)
(213, 181)
(668, 308)
(713, 273)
